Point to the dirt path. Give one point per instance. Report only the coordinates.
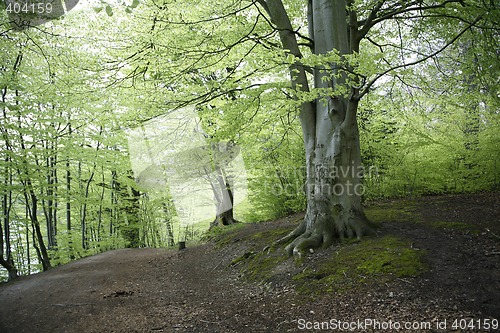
(141, 290)
(196, 290)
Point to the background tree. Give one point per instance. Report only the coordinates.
(56, 151)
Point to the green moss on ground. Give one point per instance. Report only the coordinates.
(376, 260)
(222, 236)
(455, 226)
(350, 265)
(265, 238)
(262, 267)
(392, 212)
(260, 263)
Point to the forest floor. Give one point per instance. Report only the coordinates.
(216, 287)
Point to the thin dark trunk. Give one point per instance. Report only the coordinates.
(114, 202)
(33, 237)
(31, 201)
(168, 223)
(68, 197)
(55, 201)
(68, 205)
(49, 206)
(32, 205)
(99, 212)
(130, 204)
(224, 199)
(68, 187)
(28, 252)
(7, 261)
(84, 211)
(86, 194)
(132, 210)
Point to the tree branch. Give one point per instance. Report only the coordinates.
(367, 24)
(264, 5)
(211, 19)
(408, 8)
(416, 62)
(373, 18)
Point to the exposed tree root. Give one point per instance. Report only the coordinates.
(293, 235)
(323, 230)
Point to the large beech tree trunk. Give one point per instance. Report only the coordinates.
(329, 126)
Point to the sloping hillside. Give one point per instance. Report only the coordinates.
(434, 259)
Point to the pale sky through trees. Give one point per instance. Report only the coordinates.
(171, 152)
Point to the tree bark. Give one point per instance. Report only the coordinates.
(31, 202)
(38, 242)
(329, 128)
(6, 261)
(49, 205)
(130, 205)
(225, 200)
(168, 223)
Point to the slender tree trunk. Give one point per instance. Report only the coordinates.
(33, 233)
(68, 187)
(49, 205)
(83, 216)
(32, 205)
(86, 194)
(28, 251)
(132, 212)
(68, 197)
(329, 127)
(224, 197)
(7, 261)
(114, 202)
(130, 204)
(55, 201)
(31, 201)
(100, 211)
(168, 223)
(68, 201)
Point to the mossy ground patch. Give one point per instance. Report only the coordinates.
(455, 226)
(401, 211)
(374, 260)
(343, 267)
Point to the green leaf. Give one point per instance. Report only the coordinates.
(135, 3)
(97, 9)
(109, 10)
